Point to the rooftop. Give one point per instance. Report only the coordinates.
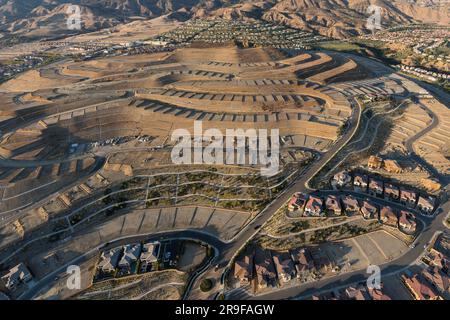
(131, 253)
(16, 275)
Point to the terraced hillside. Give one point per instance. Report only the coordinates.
(86, 146)
(434, 145)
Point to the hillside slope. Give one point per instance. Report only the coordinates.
(335, 18)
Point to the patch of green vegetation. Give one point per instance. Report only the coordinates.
(299, 226)
(341, 46)
(443, 49)
(210, 251)
(364, 47)
(206, 285)
(444, 84)
(76, 218)
(54, 237)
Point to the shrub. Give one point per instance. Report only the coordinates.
(206, 285)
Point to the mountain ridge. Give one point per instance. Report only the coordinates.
(334, 18)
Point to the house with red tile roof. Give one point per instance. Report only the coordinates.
(297, 202)
(438, 279)
(408, 198)
(360, 183)
(356, 293)
(388, 216)
(407, 221)
(243, 269)
(375, 188)
(333, 205)
(323, 263)
(378, 294)
(426, 204)
(264, 269)
(392, 166)
(284, 266)
(314, 206)
(351, 204)
(438, 259)
(374, 162)
(369, 210)
(391, 192)
(304, 263)
(419, 288)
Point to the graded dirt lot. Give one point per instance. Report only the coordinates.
(434, 146)
(369, 249)
(74, 132)
(155, 93)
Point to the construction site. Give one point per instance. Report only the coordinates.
(85, 148)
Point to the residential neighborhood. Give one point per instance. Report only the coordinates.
(262, 269)
(371, 198)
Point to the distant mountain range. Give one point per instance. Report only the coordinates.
(335, 18)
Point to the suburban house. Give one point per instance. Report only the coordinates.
(16, 276)
(323, 263)
(360, 183)
(391, 192)
(314, 206)
(392, 166)
(374, 162)
(388, 216)
(369, 210)
(439, 260)
(150, 252)
(358, 293)
(243, 269)
(407, 221)
(333, 205)
(419, 288)
(265, 270)
(284, 266)
(375, 188)
(426, 205)
(304, 263)
(431, 184)
(297, 202)
(109, 260)
(438, 279)
(408, 198)
(131, 253)
(341, 179)
(376, 294)
(351, 204)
